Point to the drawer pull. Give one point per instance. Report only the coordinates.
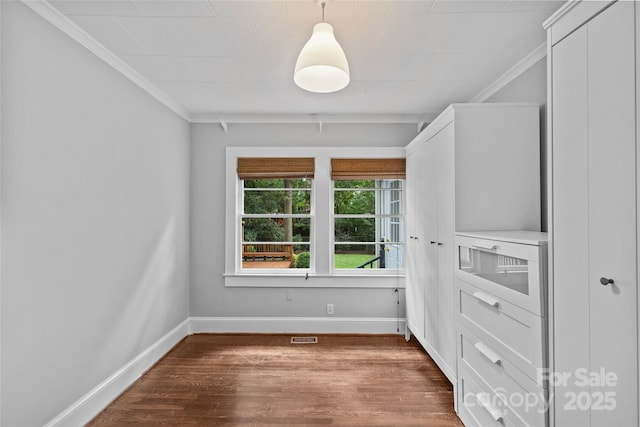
(486, 299)
(483, 400)
(485, 246)
(486, 352)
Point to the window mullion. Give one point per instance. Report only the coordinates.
(322, 210)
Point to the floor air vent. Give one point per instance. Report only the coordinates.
(304, 340)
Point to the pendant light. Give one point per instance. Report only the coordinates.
(322, 65)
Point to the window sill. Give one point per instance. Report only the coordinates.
(314, 281)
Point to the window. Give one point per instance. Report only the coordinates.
(287, 218)
(276, 216)
(368, 213)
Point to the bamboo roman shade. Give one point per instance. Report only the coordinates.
(275, 167)
(342, 169)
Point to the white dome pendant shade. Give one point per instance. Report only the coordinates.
(322, 65)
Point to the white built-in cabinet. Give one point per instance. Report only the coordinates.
(593, 301)
(475, 167)
(501, 328)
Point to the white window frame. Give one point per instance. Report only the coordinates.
(321, 273)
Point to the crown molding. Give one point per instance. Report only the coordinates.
(512, 73)
(563, 10)
(571, 16)
(67, 26)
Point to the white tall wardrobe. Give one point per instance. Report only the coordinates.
(475, 167)
(593, 128)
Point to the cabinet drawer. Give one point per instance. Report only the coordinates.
(525, 397)
(479, 406)
(514, 333)
(513, 271)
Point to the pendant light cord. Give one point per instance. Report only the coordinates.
(323, 4)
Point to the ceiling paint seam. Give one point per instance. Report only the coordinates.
(190, 56)
(137, 6)
(127, 32)
(193, 36)
(449, 34)
(256, 32)
(99, 15)
(383, 39)
(215, 14)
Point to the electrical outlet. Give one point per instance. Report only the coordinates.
(329, 308)
(289, 294)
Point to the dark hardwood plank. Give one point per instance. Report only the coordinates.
(263, 380)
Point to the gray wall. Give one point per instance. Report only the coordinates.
(95, 177)
(531, 86)
(209, 296)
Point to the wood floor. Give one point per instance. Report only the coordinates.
(263, 380)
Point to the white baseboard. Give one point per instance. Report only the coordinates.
(319, 325)
(90, 405)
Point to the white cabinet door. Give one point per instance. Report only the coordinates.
(594, 221)
(444, 149)
(612, 208)
(570, 219)
(415, 273)
(437, 216)
(429, 218)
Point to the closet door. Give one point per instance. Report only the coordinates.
(415, 271)
(594, 222)
(612, 208)
(444, 149)
(430, 261)
(570, 220)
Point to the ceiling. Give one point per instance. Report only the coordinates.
(236, 58)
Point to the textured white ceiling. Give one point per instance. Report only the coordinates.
(237, 57)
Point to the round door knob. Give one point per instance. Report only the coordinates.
(604, 281)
